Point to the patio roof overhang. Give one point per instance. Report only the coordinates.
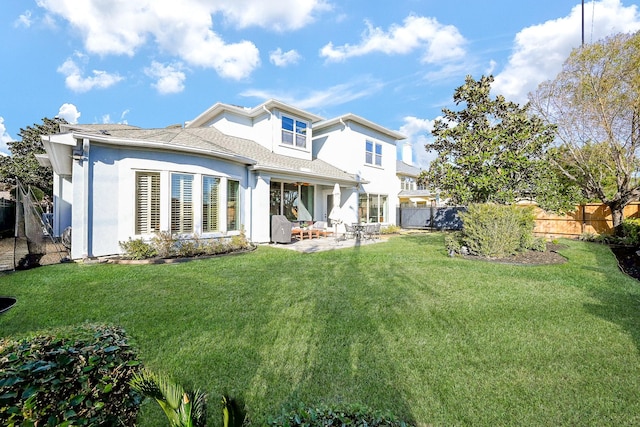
(307, 175)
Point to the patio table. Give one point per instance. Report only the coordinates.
(302, 232)
(359, 230)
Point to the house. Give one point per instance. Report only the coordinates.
(227, 170)
(411, 193)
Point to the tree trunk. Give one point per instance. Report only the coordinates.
(617, 214)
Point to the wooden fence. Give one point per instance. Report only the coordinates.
(590, 218)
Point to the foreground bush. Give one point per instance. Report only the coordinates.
(492, 230)
(77, 377)
(333, 416)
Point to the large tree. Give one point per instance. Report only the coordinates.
(595, 104)
(22, 164)
(493, 150)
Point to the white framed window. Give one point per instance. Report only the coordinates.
(294, 132)
(233, 205)
(181, 203)
(210, 204)
(147, 215)
(372, 207)
(373, 153)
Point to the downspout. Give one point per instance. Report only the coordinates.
(85, 198)
(270, 114)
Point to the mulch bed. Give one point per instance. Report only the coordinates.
(628, 260)
(550, 256)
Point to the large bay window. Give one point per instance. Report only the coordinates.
(181, 203)
(147, 202)
(294, 132)
(192, 203)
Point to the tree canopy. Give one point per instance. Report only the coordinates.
(595, 104)
(22, 164)
(493, 150)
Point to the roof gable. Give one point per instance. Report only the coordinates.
(266, 107)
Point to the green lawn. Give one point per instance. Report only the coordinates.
(397, 326)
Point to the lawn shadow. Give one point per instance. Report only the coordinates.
(619, 296)
(327, 345)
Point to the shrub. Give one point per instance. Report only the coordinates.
(631, 231)
(453, 242)
(390, 229)
(497, 230)
(69, 377)
(163, 242)
(138, 249)
(325, 416)
(188, 248)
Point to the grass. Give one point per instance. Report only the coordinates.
(398, 327)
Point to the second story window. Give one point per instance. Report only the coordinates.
(294, 132)
(373, 154)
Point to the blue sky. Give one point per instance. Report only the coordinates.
(154, 63)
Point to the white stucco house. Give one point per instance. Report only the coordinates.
(230, 168)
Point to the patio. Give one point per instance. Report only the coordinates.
(325, 244)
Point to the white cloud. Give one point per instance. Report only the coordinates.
(418, 133)
(75, 80)
(169, 78)
(69, 112)
(183, 29)
(283, 59)
(283, 15)
(540, 50)
(438, 42)
(105, 119)
(4, 138)
(123, 117)
(23, 20)
(315, 99)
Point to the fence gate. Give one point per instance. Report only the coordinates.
(433, 217)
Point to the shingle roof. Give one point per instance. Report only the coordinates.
(210, 139)
(403, 168)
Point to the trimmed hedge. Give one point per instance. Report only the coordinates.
(322, 416)
(497, 231)
(76, 377)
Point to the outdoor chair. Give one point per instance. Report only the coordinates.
(280, 229)
(350, 231)
(372, 231)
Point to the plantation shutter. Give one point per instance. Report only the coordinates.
(210, 204)
(147, 202)
(233, 211)
(181, 203)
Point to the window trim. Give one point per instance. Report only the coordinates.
(373, 156)
(294, 133)
(153, 203)
(214, 214)
(185, 207)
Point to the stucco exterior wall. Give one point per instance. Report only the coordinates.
(106, 182)
(344, 146)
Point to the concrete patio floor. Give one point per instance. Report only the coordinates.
(326, 244)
